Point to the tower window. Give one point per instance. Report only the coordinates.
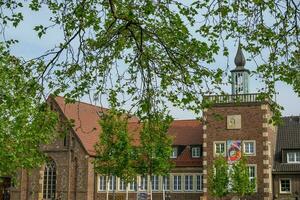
(219, 148)
(249, 147)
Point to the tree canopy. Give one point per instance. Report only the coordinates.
(25, 120)
(155, 51)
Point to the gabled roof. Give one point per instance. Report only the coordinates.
(288, 138)
(87, 128)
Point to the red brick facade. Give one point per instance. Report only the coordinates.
(254, 127)
(76, 179)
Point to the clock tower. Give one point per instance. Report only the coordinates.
(237, 124)
(240, 75)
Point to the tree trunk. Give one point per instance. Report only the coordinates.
(126, 192)
(163, 188)
(107, 186)
(150, 188)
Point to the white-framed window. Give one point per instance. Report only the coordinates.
(155, 182)
(293, 157)
(102, 183)
(133, 185)
(195, 152)
(252, 173)
(174, 152)
(220, 148)
(285, 185)
(177, 182)
(143, 183)
(122, 185)
(249, 147)
(49, 186)
(199, 182)
(166, 183)
(188, 180)
(112, 183)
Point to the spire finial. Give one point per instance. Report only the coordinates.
(239, 59)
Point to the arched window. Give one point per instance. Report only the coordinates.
(49, 187)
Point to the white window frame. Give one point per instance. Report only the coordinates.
(200, 183)
(176, 177)
(284, 192)
(295, 157)
(121, 184)
(49, 180)
(196, 152)
(155, 183)
(166, 184)
(255, 176)
(254, 147)
(143, 186)
(112, 183)
(215, 148)
(188, 182)
(174, 152)
(101, 188)
(133, 185)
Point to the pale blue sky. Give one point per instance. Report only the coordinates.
(31, 46)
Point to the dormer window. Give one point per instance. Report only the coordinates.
(196, 152)
(174, 152)
(293, 157)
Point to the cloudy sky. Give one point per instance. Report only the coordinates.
(31, 46)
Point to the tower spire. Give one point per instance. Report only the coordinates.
(239, 59)
(240, 75)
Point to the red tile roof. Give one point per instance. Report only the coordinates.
(87, 128)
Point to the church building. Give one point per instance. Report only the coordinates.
(235, 124)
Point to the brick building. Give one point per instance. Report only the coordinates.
(235, 124)
(286, 170)
(69, 173)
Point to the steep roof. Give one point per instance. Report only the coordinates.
(288, 138)
(87, 128)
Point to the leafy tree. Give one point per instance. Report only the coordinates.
(115, 154)
(155, 148)
(25, 119)
(240, 181)
(166, 47)
(165, 43)
(218, 178)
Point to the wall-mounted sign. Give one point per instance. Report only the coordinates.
(234, 122)
(234, 150)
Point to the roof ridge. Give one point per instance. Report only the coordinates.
(82, 102)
